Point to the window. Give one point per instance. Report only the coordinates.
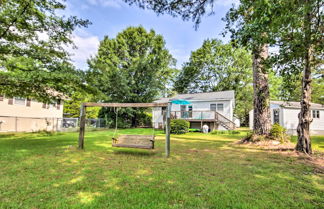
(183, 109)
(220, 107)
(1, 97)
(28, 102)
(20, 101)
(163, 110)
(276, 116)
(316, 114)
(10, 101)
(190, 111)
(212, 107)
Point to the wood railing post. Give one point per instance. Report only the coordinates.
(167, 130)
(82, 126)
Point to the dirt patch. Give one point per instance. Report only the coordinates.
(288, 149)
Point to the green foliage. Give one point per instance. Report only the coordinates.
(33, 60)
(218, 67)
(133, 67)
(318, 89)
(194, 130)
(179, 126)
(275, 86)
(73, 104)
(278, 132)
(225, 132)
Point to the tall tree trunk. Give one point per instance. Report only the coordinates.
(262, 118)
(304, 142)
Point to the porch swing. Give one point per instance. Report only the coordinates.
(132, 141)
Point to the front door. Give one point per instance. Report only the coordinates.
(276, 116)
(183, 111)
(190, 111)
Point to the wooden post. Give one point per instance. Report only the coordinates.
(16, 124)
(167, 130)
(82, 126)
(201, 122)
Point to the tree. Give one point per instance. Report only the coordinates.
(248, 25)
(133, 67)
(73, 104)
(219, 67)
(299, 26)
(33, 60)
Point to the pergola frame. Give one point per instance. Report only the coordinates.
(91, 104)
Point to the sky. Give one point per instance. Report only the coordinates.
(109, 17)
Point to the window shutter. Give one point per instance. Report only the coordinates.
(44, 105)
(58, 104)
(1, 97)
(10, 101)
(28, 103)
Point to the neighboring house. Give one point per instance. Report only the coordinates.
(216, 109)
(25, 115)
(286, 114)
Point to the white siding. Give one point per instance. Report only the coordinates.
(197, 106)
(289, 120)
(251, 119)
(35, 110)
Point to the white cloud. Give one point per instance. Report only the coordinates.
(107, 3)
(227, 2)
(87, 46)
(179, 54)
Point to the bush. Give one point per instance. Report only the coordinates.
(278, 132)
(194, 130)
(179, 126)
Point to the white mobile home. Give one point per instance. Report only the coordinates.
(216, 109)
(286, 114)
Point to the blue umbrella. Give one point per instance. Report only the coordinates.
(180, 101)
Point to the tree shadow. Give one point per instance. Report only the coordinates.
(134, 152)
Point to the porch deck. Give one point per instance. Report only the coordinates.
(204, 116)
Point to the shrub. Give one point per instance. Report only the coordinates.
(194, 130)
(179, 126)
(278, 132)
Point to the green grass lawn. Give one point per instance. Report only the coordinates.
(317, 142)
(204, 171)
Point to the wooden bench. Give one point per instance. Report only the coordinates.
(134, 141)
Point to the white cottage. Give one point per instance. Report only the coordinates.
(216, 109)
(286, 114)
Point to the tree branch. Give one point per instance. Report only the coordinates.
(15, 20)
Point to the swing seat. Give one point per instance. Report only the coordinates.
(134, 141)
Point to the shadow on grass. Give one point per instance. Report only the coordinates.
(137, 152)
(126, 178)
(212, 141)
